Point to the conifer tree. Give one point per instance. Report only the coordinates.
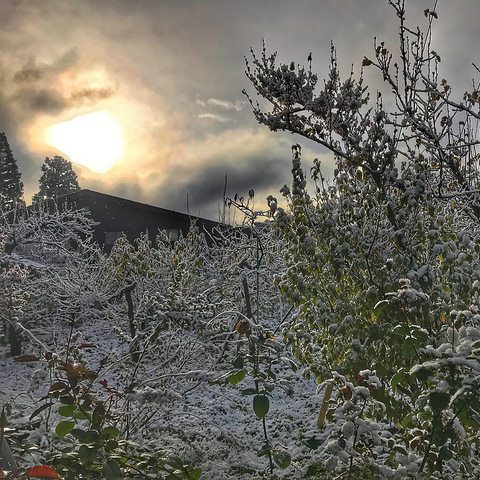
(58, 179)
(11, 188)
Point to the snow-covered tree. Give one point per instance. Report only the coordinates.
(384, 262)
(11, 188)
(58, 179)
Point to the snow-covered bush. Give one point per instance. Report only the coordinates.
(384, 263)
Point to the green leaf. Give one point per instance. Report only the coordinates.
(261, 405)
(445, 453)
(91, 437)
(264, 450)
(110, 433)
(282, 458)
(40, 409)
(438, 400)
(112, 471)
(87, 455)
(111, 445)
(398, 378)
(382, 308)
(67, 400)
(98, 415)
(236, 377)
(67, 410)
(293, 365)
(407, 421)
(79, 434)
(64, 427)
(79, 415)
(238, 362)
(409, 347)
(400, 330)
(195, 474)
(423, 374)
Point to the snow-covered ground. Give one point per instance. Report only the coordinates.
(213, 426)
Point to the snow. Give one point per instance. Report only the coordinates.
(213, 425)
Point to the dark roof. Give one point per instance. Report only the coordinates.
(85, 193)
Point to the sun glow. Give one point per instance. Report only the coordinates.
(94, 140)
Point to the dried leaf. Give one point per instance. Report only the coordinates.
(243, 327)
(324, 408)
(76, 371)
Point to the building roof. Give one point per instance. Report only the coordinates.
(86, 193)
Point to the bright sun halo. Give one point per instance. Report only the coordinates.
(93, 140)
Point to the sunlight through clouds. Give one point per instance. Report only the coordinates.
(93, 140)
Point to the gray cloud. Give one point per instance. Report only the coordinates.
(181, 65)
(41, 100)
(91, 96)
(33, 72)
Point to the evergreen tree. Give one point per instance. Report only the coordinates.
(58, 179)
(11, 188)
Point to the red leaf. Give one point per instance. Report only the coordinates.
(42, 471)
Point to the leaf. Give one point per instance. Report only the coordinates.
(264, 450)
(3, 419)
(409, 347)
(397, 379)
(445, 453)
(238, 362)
(382, 308)
(236, 377)
(110, 433)
(261, 405)
(64, 427)
(366, 62)
(423, 374)
(323, 409)
(42, 471)
(40, 409)
(407, 421)
(243, 327)
(76, 371)
(67, 410)
(195, 474)
(57, 387)
(91, 437)
(282, 458)
(438, 400)
(98, 415)
(86, 454)
(112, 471)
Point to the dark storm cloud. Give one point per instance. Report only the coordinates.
(208, 183)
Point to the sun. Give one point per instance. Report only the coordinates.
(93, 140)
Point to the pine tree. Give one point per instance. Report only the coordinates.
(58, 179)
(11, 188)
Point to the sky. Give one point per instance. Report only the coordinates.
(171, 73)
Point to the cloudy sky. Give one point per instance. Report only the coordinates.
(170, 74)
